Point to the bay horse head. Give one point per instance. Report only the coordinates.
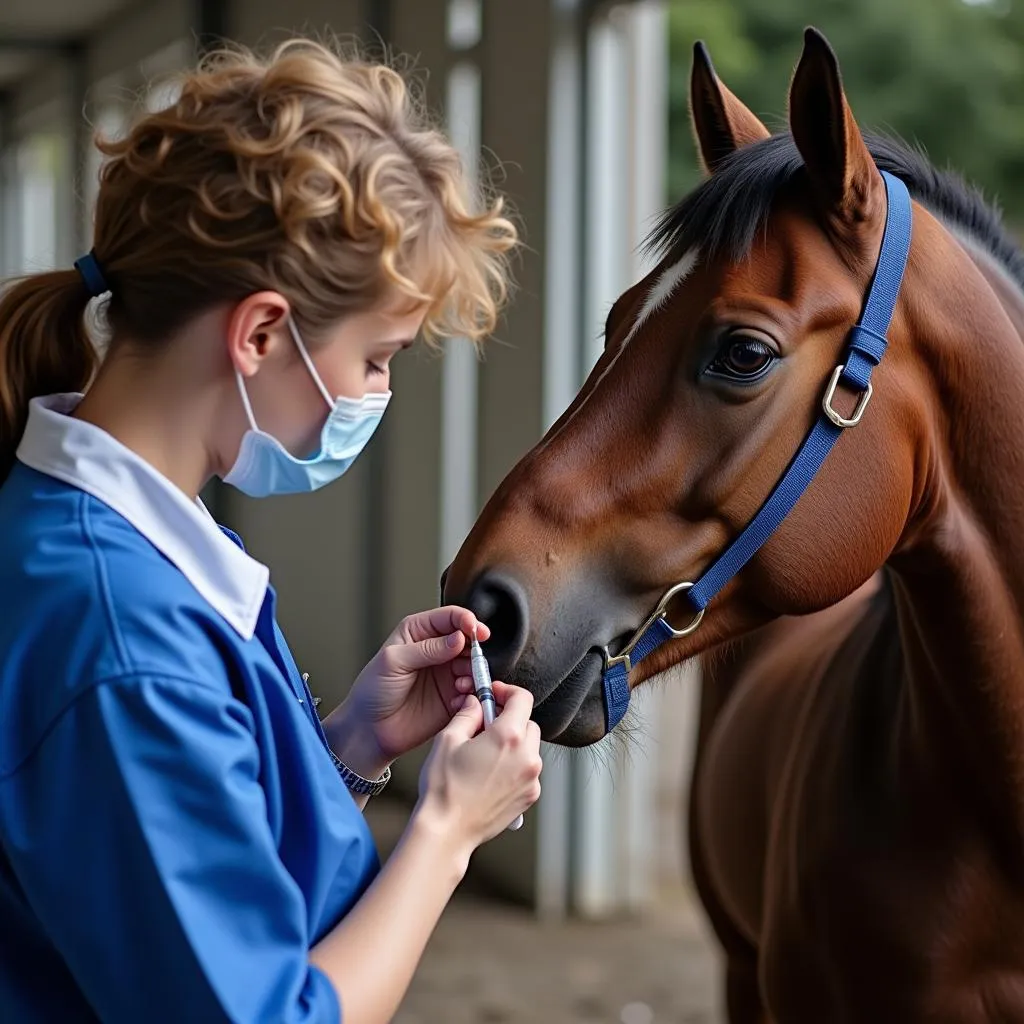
(598, 560)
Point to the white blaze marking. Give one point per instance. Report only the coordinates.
(662, 291)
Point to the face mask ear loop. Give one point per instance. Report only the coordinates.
(296, 337)
(245, 400)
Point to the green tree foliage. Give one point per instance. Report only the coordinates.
(945, 74)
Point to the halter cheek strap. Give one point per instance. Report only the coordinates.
(864, 351)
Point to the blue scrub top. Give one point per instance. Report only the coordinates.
(173, 835)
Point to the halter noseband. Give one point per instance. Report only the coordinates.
(864, 352)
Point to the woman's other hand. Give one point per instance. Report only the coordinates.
(475, 783)
(408, 692)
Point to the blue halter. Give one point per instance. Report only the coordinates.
(864, 352)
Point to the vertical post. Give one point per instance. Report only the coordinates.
(515, 129)
(211, 24)
(459, 495)
(625, 127)
(645, 34)
(561, 376)
(377, 18)
(211, 29)
(81, 139)
(10, 228)
(596, 864)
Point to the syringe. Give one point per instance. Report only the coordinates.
(485, 694)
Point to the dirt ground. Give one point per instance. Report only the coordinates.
(491, 963)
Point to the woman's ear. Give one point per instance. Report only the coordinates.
(255, 327)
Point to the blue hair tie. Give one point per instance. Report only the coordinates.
(92, 274)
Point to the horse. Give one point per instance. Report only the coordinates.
(800, 459)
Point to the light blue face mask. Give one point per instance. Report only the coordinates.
(265, 467)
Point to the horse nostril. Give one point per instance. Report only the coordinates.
(444, 580)
(501, 603)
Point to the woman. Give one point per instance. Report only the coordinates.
(180, 838)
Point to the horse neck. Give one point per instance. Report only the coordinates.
(959, 574)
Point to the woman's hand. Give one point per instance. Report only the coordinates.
(408, 692)
(475, 783)
(471, 789)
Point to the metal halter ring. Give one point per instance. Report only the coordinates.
(830, 394)
(659, 613)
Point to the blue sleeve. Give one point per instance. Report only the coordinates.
(139, 833)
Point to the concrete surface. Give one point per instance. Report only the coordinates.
(492, 963)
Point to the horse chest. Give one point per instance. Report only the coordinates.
(865, 896)
(883, 900)
(863, 935)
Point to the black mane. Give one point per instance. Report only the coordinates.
(727, 210)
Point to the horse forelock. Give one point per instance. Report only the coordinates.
(725, 213)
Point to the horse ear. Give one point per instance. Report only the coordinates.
(824, 130)
(721, 122)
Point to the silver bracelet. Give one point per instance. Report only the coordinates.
(356, 783)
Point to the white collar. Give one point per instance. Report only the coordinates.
(83, 455)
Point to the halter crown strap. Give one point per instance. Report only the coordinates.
(866, 346)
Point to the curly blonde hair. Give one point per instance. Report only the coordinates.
(308, 173)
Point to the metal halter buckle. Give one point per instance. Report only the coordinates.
(830, 394)
(659, 613)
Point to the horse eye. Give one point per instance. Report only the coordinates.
(743, 359)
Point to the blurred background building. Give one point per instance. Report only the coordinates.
(578, 111)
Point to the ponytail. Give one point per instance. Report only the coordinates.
(44, 348)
